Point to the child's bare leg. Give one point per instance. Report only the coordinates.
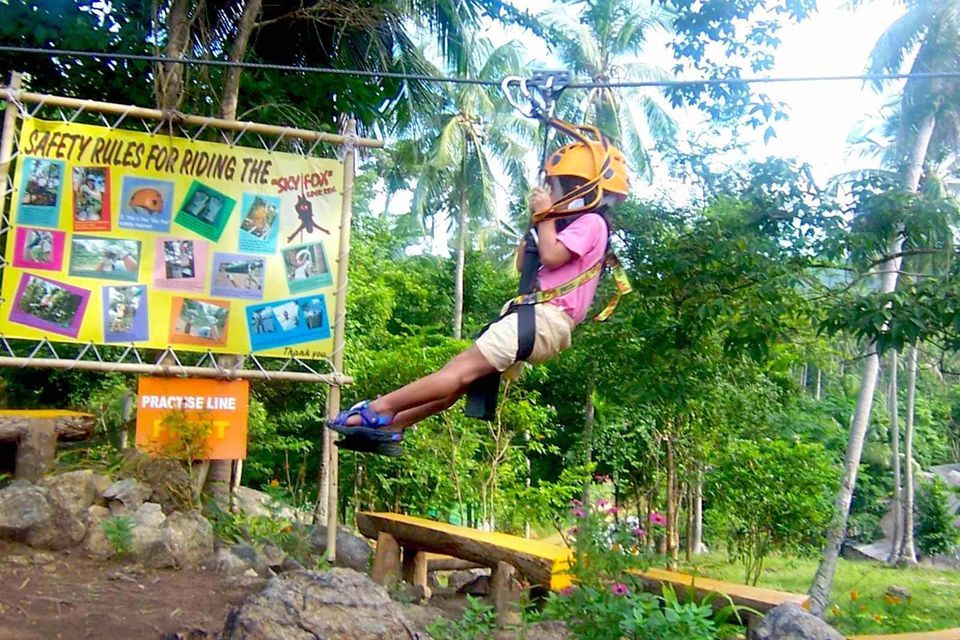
(410, 417)
(450, 381)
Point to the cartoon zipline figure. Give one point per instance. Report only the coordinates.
(561, 258)
(304, 209)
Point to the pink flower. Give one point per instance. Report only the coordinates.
(601, 478)
(602, 504)
(614, 510)
(567, 591)
(573, 531)
(619, 589)
(638, 532)
(658, 519)
(578, 512)
(576, 503)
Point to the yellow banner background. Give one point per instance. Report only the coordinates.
(120, 237)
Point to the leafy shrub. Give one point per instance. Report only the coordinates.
(606, 600)
(769, 495)
(477, 623)
(936, 532)
(119, 533)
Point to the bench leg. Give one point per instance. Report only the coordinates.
(415, 572)
(505, 592)
(386, 561)
(36, 449)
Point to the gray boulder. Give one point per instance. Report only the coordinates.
(23, 507)
(459, 579)
(793, 622)
(353, 552)
(168, 480)
(189, 536)
(239, 558)
(95, 543)
(150, 514)
(129, 492)
(335, 605)
(62, 531)
(257, 503)
(74, 491)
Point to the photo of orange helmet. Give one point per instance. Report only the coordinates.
(146, 201)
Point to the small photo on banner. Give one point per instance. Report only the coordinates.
(260, 225)
(39, 249)
(183, 266)
(288, 322)
(199, 321)
(91, 199)
(238, 276)
(125, 314)
(306, 268)
(105, 258)
(205, 211)
(146, 204)
(49, 305)
(40, 189)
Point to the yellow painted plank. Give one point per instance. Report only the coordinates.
(560, 558)
(41, 413)
(946, 634)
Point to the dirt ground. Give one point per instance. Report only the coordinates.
(54, 595)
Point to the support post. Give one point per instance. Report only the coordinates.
(6, 140)
(505, 592)
(331, 466)
(386, 561)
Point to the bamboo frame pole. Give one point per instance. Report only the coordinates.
(165, 368)
(331, 466)
(6, 138)
(157, 114)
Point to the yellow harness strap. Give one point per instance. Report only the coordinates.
(619, 277)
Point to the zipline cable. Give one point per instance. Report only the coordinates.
(626, 84)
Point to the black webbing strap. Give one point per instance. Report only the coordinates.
(483, 393)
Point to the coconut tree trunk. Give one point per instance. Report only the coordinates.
(461, 250)
(696, 541)
(908, 552)
(231, 82)
(895, 449)
(170, 79)
(823, 580)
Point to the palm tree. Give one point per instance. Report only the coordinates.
(472, 136)
(930, 31)
(598, 41)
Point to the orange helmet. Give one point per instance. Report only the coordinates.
(592, 158)
(146, 201)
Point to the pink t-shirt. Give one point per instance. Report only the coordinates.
(586, 239)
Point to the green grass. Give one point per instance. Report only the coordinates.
(935, 594)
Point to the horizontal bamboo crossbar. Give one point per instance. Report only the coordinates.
(332, 379)
(202, 121)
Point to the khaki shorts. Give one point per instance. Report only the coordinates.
(498, 344)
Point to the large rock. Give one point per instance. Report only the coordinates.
(353, 552)
(150, 514)
(62, 531)
(792, 622)
(238, 559)
(257, 503)
(168, 480)
(190, 538)
(96, 543)
(128, 492)
(306, 605)
(23, 507)
(74, 491)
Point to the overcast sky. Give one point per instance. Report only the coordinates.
(834, 41)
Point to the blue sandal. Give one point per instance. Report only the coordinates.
(370, 421)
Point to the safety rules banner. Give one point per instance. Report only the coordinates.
(119, 237)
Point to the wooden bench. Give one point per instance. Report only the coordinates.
(35, 435)
(405, 545)
(946, 634)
